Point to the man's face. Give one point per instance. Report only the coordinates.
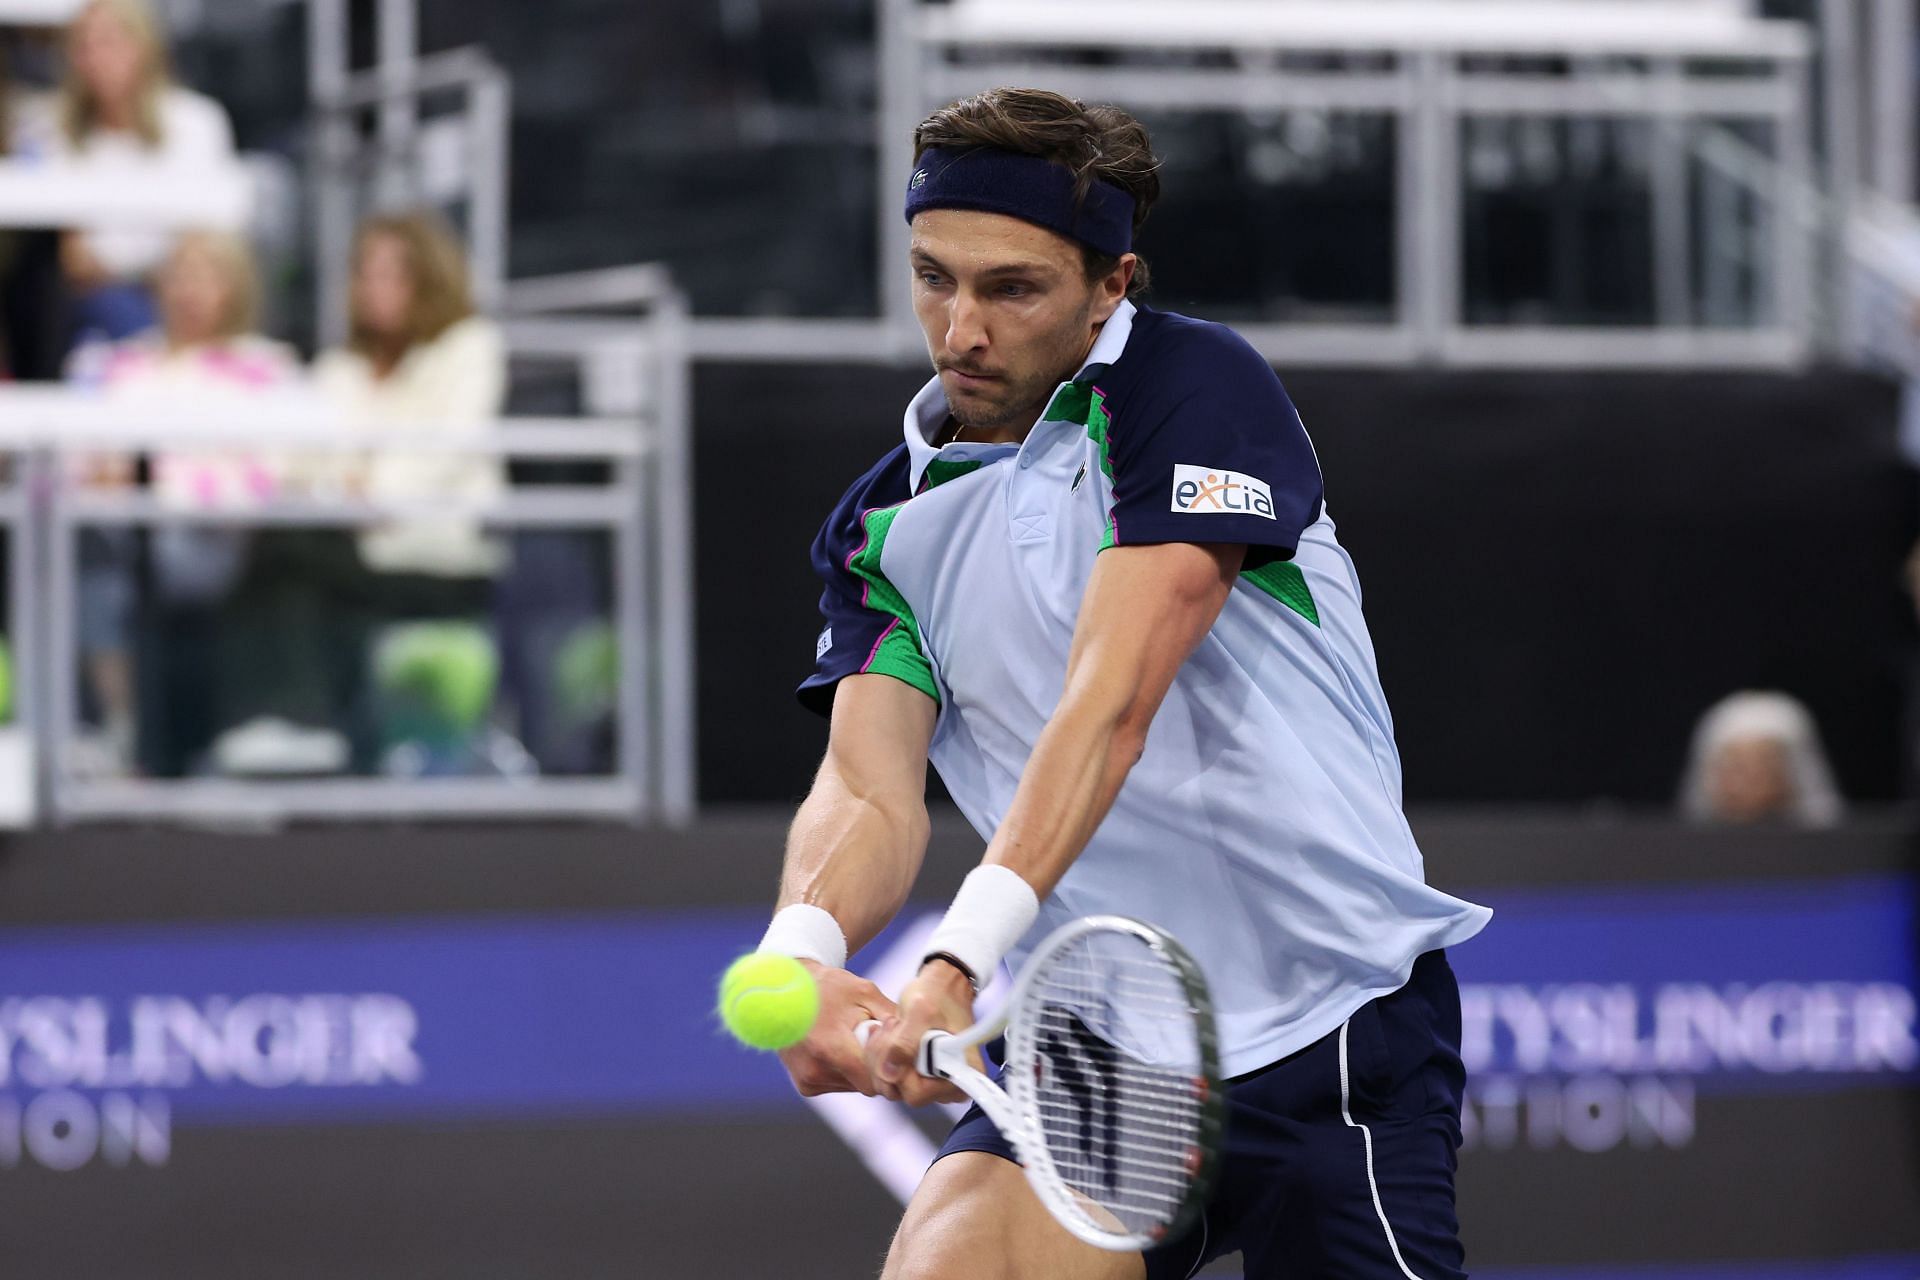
(1008, 311)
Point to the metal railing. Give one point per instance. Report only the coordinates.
(45, 515)
(632, 382)
(454, 160)
(1430, 70)
(637, 363)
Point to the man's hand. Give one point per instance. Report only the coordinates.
(939, 998)
(829, 1059)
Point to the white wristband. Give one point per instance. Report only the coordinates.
(806, 932)
(993, 910)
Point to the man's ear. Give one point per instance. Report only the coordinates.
(1113, 287)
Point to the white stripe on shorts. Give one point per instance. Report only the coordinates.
(1366, 1136)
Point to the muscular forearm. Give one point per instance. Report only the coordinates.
(1077, 768)
(853, 854)
(1145, 610)
(858, 840)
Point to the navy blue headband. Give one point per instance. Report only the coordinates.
(1026, 187)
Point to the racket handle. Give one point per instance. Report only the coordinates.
(937, 1059)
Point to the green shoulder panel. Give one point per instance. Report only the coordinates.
(1283, 581)
(900, 653)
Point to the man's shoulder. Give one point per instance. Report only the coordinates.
(1167, 349)
(884, 484)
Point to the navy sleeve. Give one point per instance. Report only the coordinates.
(1205, 446)
(868, 625)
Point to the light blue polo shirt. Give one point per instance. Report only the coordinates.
(1262, 825)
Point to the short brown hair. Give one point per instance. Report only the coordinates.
(1095, 144)
(442, 294)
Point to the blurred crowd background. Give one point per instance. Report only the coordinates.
(279, 200)
(413, 418)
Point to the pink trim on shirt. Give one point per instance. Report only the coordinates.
(875, 652)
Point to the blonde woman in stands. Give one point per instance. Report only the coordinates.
(208, 291)
(119, 105)
(204, 347)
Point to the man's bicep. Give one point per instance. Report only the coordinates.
(1179, 584)
(880, 733)
(1147, 607)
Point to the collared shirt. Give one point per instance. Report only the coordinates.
(1262, 824)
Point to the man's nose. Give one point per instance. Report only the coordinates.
(966, 326)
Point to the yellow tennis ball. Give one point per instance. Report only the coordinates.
(768, 1001)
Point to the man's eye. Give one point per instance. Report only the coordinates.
(929, 279)
(1014, 291)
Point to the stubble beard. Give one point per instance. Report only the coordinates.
(995, 414)
(1017, 406)
(1014, 407)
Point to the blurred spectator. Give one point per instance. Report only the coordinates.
(313, 606)
(209, 298)
(119, 105)
(208, 294)
(1756, 757)
(418, 361)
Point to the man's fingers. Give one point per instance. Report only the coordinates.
(825, 1062)
(874, 1001)
(885, 1057)
(919, 1091)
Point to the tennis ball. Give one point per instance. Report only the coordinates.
(768, 1001)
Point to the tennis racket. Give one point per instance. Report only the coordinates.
(1111, 1092)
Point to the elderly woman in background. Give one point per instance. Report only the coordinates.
(1756, 757)
(119, 105)
(204, 347)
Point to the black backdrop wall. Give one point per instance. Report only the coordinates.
(1562, 570)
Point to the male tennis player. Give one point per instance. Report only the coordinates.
(1097, 585)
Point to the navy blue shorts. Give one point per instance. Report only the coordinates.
(1339, 1159)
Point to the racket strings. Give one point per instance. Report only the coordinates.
(1109, 1053)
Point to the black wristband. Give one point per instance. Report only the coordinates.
(973, 979)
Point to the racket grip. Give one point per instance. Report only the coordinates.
(864, 1032)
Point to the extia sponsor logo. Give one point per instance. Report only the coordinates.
(1218, 491)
